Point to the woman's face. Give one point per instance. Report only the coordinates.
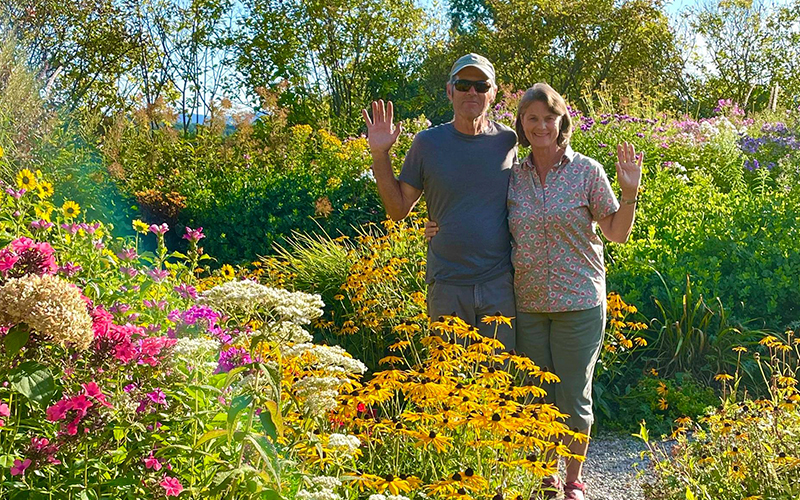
(541, 125)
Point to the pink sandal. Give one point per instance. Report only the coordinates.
(574, 491)
(551, 486)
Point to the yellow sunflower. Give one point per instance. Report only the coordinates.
(140, 227)
(228, 272)
(26, 180)
(70, 209)
(44, 190)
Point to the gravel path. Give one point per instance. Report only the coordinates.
(608, 471)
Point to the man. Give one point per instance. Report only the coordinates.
(463, 167)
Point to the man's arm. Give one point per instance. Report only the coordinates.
(398, 197)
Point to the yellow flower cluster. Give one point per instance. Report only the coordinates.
(462, 420)
(49, 305)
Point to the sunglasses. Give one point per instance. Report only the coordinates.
(481, 87)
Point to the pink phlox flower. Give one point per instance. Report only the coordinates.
(151, 347)
(58, 410)
(158, 397)
(159, 230)
(151, 462)
(7, 259)
(172, 487)
(125, 352)
(19, 466)
(93, 391)
(80, 404)
(5, 411)
(101, 322)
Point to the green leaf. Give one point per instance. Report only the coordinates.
(209, 436)
(16, 338)
(238, 405)
(268, 425)
(34, 381)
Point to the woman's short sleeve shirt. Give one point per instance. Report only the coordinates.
(557, 254)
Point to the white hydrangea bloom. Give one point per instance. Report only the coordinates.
(195, 352)
(333, 359)
(326, 482)
(397, 497)
(348, 445)
(248, 296)
(317, 495)
(377, 496)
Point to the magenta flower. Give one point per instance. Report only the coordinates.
(41, 224)
(19, 466)
(194, 235)
(93, 391)
(159, 230)
(158, 275)
(15, 194)
(128, 255)
(70, 269)
(186, 291)
(7, 259)
(151, 462)
(158, 397)
(71, 228)
(4, 412)
(172, 487)
(129, 271)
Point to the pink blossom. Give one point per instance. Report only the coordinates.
(128, 254)
(130, 271)
(93, 391)
(194, 235)
(58, 411)
(70, 269)
(172, 487)
(4, 410)
(71, 228)
(159, 230)
(20, 465)
(158, 397)
(158, 275)
(7, 259)
(150, 462)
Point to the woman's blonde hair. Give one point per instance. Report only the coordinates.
(543, 92)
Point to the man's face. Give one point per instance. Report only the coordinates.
(470, 104)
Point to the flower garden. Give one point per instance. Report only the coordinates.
(227, 314)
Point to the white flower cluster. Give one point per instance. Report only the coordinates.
(346, 445)
(283, 332)
(323, 487)
(248, 296)
(195, 352)
(318, 393)
(50, 305)
(332, 359)
(390, 497)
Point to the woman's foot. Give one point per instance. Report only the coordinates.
(574, 490)
(551, 487)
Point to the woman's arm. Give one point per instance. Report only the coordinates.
(617, 226)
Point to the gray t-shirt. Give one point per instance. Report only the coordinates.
(465, 181)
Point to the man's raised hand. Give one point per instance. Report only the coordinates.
(381, 132)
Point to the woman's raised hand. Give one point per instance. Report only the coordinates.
(381, 132)
(629, 169)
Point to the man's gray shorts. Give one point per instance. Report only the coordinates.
(472, 302)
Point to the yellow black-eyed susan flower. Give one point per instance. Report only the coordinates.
(26, 180)
(44, 190)
(70, 209)
(227, 272)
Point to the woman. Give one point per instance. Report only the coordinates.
(556, 197)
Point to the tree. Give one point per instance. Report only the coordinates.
(581, 46)
(336, 55)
